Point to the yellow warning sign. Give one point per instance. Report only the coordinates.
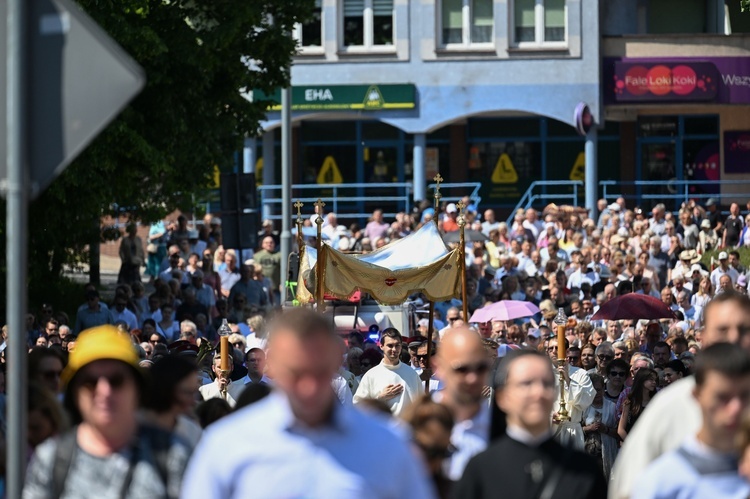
(259, 172)
(329, 172)
(578, 172)
(505, 172)
(215, 182)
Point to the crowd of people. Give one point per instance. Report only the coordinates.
(131, 400)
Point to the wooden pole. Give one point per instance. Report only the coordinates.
(462, 258)
(319, 204)
(428, 367)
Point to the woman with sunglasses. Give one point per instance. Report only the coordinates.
(617, 372)
(109, 452)
(600, 428)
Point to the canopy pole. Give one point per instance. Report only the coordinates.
(428, 369)
(300, 249)
(319, 204)
(462, 258)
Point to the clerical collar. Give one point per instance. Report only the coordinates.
(520, 435)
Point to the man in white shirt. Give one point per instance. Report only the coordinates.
(213, 389)
(305, 444)
(489, 223)
(723, 269)
(462, 365)
(391, 381)
(674, 413)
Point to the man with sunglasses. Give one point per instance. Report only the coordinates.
(605, 353)
(109, 453)
(462, 365)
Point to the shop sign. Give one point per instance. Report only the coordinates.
(723, 80)
(737, 151)
(345, 97)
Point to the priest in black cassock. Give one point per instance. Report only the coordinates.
(527, 462)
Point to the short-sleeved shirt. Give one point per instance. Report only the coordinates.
(733, 228)
(104, 477)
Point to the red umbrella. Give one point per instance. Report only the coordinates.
(633, 306)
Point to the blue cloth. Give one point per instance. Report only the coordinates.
(691, 471)
(355, 456)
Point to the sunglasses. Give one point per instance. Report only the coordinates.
(572, 358)
(154, 341)
(451, 319)
(421, 358)
(479, 368)
(115, 381)
(617, 374)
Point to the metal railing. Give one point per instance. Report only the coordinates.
(538, 191)
(349, 201)
(678, 191)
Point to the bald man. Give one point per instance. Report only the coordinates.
(462, 365)
(675, 415)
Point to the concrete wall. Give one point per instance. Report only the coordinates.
(453, 85)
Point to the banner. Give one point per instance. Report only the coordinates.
(724, 80)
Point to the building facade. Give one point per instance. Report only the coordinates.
(494, 91)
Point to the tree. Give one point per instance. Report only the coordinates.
(745, 5)
(197, 55)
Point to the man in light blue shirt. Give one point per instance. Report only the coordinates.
(299, 441)
(706, 465)
(92, 313)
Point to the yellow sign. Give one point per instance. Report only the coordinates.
(578, 172)
(505, 172)
(373, 98)
(329, 172)
(259, 172)
(215, 182)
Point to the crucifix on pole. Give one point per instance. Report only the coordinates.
(319, 204)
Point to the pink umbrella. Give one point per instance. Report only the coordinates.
(505, 310)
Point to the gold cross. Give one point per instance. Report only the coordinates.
(319, 204)
(299, 206)
(437, 179)
(460, 205)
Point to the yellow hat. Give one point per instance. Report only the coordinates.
(100, 343)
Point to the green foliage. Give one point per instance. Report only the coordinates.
(745, 5)
(744, 252)
(161, 150)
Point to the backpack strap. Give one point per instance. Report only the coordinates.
(64, 455)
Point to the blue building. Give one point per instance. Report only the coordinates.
(492, 91)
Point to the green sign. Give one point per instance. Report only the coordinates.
(345, 97)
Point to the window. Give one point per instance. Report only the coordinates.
(368, 23)
(466, 22)
(539, 22)
(310, 34)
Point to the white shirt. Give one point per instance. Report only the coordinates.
(579, 395)
(718, 272)
(382, 375)
(341, 389)
(667, 420)
(211, 391)
(343, 459)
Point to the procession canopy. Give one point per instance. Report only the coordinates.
(419, 262)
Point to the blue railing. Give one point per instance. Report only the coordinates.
(677, 191)
(348, 201)
(539, 190)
